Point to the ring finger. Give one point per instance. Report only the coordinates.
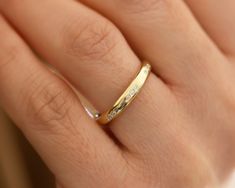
(93, 55)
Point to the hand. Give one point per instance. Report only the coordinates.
(178, 132)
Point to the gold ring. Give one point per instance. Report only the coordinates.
(127, 97)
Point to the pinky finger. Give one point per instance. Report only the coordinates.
(51, 116)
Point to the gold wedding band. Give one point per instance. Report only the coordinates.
(127, 97)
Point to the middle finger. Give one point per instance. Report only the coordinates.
(165, 33)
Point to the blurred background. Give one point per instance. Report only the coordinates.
(21, 167)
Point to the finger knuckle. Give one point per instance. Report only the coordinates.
(48, 106)
(94, 41)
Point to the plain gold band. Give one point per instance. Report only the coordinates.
(127, 97)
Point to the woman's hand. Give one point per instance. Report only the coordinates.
(179, 131)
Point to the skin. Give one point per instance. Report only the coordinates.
(178, 132)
